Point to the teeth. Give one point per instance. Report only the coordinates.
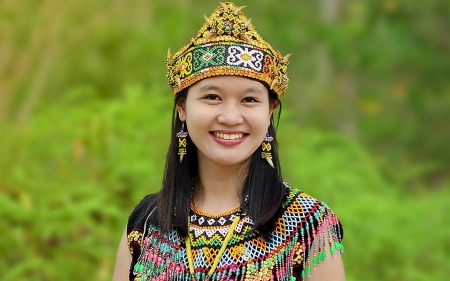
(228, 136)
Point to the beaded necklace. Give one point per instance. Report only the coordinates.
(219, 254)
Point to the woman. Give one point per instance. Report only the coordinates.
(223, 212)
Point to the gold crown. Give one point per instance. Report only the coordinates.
(227, 44)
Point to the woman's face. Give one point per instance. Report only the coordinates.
(227, 118)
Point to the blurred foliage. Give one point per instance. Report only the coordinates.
(85, 115)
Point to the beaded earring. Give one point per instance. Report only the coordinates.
(181, 135)
(266, 149)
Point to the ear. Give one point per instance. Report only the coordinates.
(274, 106)
(181, 109)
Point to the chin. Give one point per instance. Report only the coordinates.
(230, 161)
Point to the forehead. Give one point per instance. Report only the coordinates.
(233, 84)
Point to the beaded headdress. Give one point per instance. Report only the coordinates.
(227, 44)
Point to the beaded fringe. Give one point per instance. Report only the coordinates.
(328, 230)
(163, 257)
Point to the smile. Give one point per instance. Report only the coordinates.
(228, 136)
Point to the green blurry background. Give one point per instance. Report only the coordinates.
(85, 114)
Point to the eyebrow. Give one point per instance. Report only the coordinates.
(253, 90)
(207, 88)
(247, 90)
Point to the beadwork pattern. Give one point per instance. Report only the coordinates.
(227, 44)
(289, 255)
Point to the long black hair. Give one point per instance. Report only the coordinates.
(263, 183)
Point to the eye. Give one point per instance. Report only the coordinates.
(250, 100)
(211, 97)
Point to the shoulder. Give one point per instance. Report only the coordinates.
(303, 204)
(311, 226)
(308, 213)
(137, 219)
(140, 211)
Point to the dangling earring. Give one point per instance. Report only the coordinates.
(181, 135)
(266, 149)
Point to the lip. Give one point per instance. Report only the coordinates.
(229, 142)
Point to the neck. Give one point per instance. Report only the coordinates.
(218, 189)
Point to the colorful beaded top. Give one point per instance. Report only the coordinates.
(303, 230)
(227, 44)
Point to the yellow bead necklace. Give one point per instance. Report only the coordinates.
(219, 255)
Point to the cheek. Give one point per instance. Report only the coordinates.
(261, 118)
(197, 121)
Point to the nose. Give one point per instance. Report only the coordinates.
(230, 115)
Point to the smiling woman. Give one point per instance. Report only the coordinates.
(223, 212)
(227, 118)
